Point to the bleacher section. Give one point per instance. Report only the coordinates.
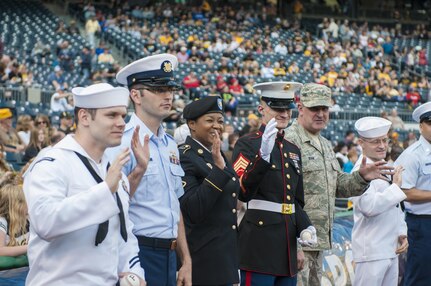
(22, 24)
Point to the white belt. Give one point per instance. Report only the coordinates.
(271, 206)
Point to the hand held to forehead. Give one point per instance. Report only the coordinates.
(268, 139)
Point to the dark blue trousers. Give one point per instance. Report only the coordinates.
(418, 265)
(160, 265)
(258, 279)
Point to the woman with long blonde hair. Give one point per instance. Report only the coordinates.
(13, 220)
(38, 140)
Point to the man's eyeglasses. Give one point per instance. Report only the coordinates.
(377, 142)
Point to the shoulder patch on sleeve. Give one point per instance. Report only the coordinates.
(184, 148)
(49, 159)
(240, 164)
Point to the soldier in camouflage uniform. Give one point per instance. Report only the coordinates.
(323, 178)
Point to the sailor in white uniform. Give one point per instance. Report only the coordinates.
(379, 231)
(80, 232)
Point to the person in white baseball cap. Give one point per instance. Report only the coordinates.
(379, 232)
(416, 160)
(78, 200)
(155, 209)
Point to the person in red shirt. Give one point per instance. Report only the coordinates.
(221, 83)
(192, 84)
(413, 97)
(235, 88)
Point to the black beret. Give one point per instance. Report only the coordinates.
(209, 104)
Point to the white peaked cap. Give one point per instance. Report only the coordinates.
(422, 111)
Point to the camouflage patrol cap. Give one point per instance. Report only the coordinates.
(313, 94)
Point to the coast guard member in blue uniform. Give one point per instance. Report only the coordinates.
(416, 161)
(154, 207)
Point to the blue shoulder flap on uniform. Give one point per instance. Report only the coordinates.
(49, 159)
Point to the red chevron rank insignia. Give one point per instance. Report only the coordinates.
(240, 165)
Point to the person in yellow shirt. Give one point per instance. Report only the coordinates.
(105, 57)
(332, 76)
(278, 70)
(165, 39)
(293, 68)
(91, 27)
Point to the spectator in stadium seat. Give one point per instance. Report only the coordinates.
(106, 57)
(38, 141)
(191, 83)
(332, 76)
(413, 97)
(182, 55)
(59, 100)
(42, 121)
(66, 56)
(411, 139)
(41, 50)
(253, 124)
(281, 48)
(334, 107)
(9, 137)
(66, 123)
(73, 30)
(266, 71)
(235, 88)
(24, 126)
(86, 62)
(230, 102)
(13, 217)
(57, 79)
(91, 28)
(397, 122)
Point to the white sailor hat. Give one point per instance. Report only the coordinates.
(372, 127)
(422, 113)
(279, 94)
(157, 71)
(100, 95)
